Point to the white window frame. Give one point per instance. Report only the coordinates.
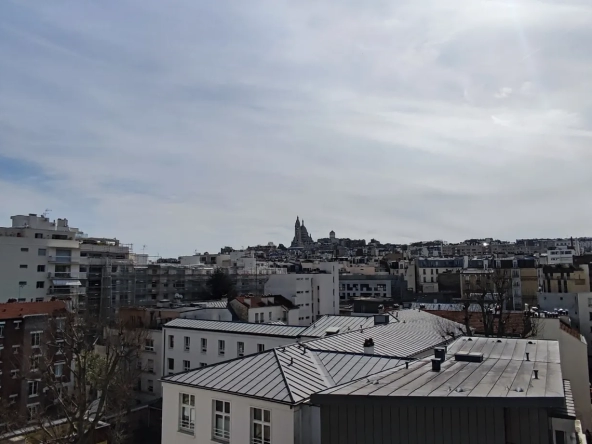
(186, 343)
(186, 365)
(32, 411)
(34, 366)
(149, 347)
(204, 345)
(14, 373)
(263, 424)
(17, 325)
(240, 349)
(260, 348)
(169, 360)
(2, 324)
(150, 365)
(16, 349)
(221, 347)
(221, 409)
(59, 365)
(187, 413)
(35, 384)
(36, 339)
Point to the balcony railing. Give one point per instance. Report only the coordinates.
(63, 259)
(64, 275)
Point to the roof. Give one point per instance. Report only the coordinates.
(413, 333)
(344, 323)
(272, 300)
(210, 304)
(248, 328)
(14, 310)
(285, 374)
(570, 330)
(506, 373)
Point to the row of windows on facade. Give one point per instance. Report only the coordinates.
(240, 346)
(260, 420)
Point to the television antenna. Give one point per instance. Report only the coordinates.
(46, 212)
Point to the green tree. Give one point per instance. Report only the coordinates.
(220, 285)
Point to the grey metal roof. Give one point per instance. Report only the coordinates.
(505, 372)
(412, 334)
(288, 374)
(344, 323)
(248, 328)
(212, 304)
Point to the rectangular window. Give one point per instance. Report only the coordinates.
(171, 341)
(22, 283)
(150, 365)
(33, 388)
(149, 345)
(35, 339)
(204, 345)
(40, 284)
(24, 249)
(171, 365)
(32, 412)
(221, 429)
(186, 365)
(41, 268)
(240, 348)
(151, 386)
(16, 349)
(38, 235)
(260, 426)
(187, 342)
(187, 412)
(14, 373)
(58, 370)
(270, 315)
(34, 363)
(260, 348)
(41, 252)
(23, 266)
(257, 318)
(221, 347)
(2, 329)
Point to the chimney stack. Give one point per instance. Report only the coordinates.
(436, 365)
(536, 374)
(440, 353)
(369, 346)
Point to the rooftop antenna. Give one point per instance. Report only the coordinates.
(143, 248)
(46, 212)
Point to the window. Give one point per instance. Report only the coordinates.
(202, 364)
(41, 252)
(38, 235)
(256, 317)
(240, 348)
(35, 339)
(22, 283)
(2, 329)
(270, 315)
(151, 386)
(221, 429)
(171, 365)
(150, 365)
(34, 363)
(33, 388)
(204, 345)
(32, 411)
(16, 349)
(24, 250)
(171, 341)
(260, 426)
(23, 266)
(58, 370)
(40, 284)
(187, 412)
(260, 348)
(187, 343)
(149, 345)
(186, 365)
(221, 347)
(14, 373)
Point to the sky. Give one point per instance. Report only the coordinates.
(188, 125)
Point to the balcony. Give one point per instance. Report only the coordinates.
(66, 292)
(63, 260)
(64, 275)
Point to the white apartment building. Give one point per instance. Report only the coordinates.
(315, 294)
(265, 398)
(39, 259)
(190, 344)
(265, 309)
(559, 255)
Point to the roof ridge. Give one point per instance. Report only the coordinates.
(329, 381)
(279, 363)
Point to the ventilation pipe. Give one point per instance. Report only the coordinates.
(369, 346)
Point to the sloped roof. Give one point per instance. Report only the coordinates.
(344, 323)
(211, 304)
(285, 331)
(515, 321)
(285, 374)
(14, 310)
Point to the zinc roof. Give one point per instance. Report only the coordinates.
(285, 331)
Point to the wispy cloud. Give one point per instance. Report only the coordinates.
(190, 125)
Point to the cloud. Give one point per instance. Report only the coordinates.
(194, 125)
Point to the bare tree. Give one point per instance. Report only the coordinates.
(85, 372)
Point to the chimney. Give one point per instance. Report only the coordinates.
(369, 346)
(440, 353)
(527, 356)
(536, 374)
(436, 365)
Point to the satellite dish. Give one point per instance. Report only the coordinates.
(178, 296)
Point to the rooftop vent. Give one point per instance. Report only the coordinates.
(536, 374)
(369, 346)
(436, 365)
(468, 357)
(332, 331)
(440, 353)
(381, 319)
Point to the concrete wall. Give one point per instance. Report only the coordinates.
(196, 357)
(282, 417)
